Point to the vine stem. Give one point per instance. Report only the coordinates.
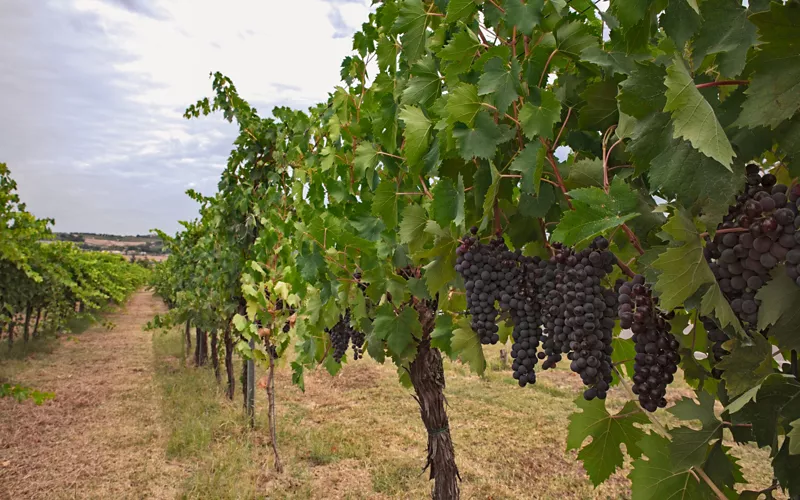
(506, 114)
(700, 472)
(728, 230)
(633, 239)
(722, 83)
(625, 269)
(547, 65)
(497, 6)
(563, 125)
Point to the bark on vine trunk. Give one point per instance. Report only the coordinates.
(201, 347)
(36, 324)
(243, 380)
(215, 354)
(228, 340)
(427, 376)
(272, 415)
(11, 334)
(26, 330)
(188, 335)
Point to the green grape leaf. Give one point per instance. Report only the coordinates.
(715, 302)
(794, 438)
(448, 202)
(603, 456)
(442, 334)
(412, 22)
(680, 21)
(463, 104)
(538, 121)
(424, 83)
(501, 81)
(573, 37)
(529, 163)
(642, 93)
(365, 160)
(689, 447)
(683, 269)
(482, 140)
(600, 110)
(725, 31)
(412, 226)
(746, 365)
(778, 313)
(658, 479)
(459, 10)
(774, 92)
(460, 52)
(466, 344)
(384, 204)
(614, 62)
(596, 211)
(786, 466)
(417, 133)
(585, 172)
(524, 16)
(693, 118)
(397, 330)
(722, 467)
(695, 180)
(537, 206)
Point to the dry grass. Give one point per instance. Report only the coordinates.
(358, 435)
(100, 437)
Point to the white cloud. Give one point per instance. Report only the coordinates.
(94, 93)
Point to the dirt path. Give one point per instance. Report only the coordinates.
(100, 437)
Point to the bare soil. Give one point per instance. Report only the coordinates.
(101, 437)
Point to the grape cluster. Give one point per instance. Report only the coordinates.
(718, 337)
(580, 315)
(657, 355)
(756, 235)
(341, 334)
(525, 312)
(483, 268)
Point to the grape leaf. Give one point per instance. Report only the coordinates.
(642, 93)
(658, 479)
(585, 172)
(746, 365)
(774, 92)
(424, 83)
(501, 81)
(693, 118)
(458, 10)
(412, 22)
(366, 159)
(467, 345)
(696, 181)
(482, 140)
(603, 455)
(417, 133)
(786, 466)
(722, 467)
(778, 313)
(794, 438)
(397, 330)
(442, 334)
(412, 226)
(448, 202)
(586, 221)
(440, 270)
(537, 206)
(459, 53)
(683, 269)
(680, 21)
(384, 204)
(725, 31)
(463, 104)
(529, 163)
(600, 110)
(715, 302)
(614, 62)
(538, 121)
(524, 16)
(689, 447)
(573, 37)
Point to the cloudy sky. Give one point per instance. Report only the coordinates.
(93, 91)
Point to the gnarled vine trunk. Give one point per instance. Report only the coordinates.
(26, 330)
(11, 326)
(201, 347)
(36, 324)
(228, 340)
(215, 354)
(427, 376)
(272, 415)
(188, 335)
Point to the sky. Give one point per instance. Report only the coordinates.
(92, 94)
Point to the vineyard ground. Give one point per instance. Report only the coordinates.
(358, 435)
(132, 420)
(101, 437)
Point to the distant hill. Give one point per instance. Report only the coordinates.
(138, 245)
